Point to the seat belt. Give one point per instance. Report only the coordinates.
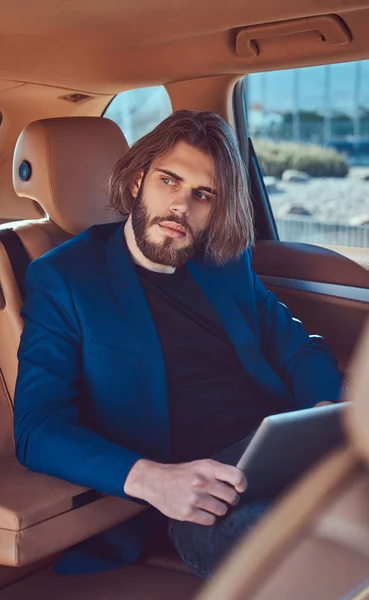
(18, 257)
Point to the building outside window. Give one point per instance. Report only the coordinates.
(310, 128)
(326, 105)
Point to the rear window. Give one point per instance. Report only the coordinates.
(139, 111)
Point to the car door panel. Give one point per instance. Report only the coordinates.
(326, 290)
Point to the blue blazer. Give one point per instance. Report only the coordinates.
(91, 395)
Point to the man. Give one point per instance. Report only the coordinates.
(151, 346)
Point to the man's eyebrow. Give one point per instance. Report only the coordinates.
(179, 178)
(171, 174)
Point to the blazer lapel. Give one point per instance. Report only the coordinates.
(141, 330)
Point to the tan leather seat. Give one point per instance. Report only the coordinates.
(70, 160)
(314, 544)
(131, 583)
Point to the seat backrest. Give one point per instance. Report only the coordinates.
(64, 165)
(314, 543)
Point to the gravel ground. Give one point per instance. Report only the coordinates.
(329, 200)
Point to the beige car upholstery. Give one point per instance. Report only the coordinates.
(314, 544)
(136, 42)
(71, 160)
(37, 518)
(139, 582)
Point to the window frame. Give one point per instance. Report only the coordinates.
(265, 225)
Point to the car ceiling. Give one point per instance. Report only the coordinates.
(51, 49)
(104, 47)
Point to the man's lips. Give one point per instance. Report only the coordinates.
(172, 225)
(173, 229)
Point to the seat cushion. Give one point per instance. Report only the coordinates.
(9, 575)
(129, 583)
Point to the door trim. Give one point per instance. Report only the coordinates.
(325, 289)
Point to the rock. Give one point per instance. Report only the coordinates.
(299, 210)
(294, 176)
(271, 184)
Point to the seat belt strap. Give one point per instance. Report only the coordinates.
(18, 257)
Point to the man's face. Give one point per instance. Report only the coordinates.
(172, 205)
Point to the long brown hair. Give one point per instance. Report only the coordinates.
(230, 229)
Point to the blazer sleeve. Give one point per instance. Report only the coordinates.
(304, 362)
(48, 437)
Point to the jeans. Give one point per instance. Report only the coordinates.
(202, 547)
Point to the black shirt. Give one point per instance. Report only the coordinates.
(213, 401)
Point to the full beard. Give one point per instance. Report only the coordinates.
(165, 252)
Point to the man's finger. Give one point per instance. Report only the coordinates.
(212, 505)
(223, 491)
(231, 475)
(201, 517)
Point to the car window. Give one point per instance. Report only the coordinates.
(310, 129)
(138, 111)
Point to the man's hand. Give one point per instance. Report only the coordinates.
(323, 403)
(197, 491)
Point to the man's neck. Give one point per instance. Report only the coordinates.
(136, 253)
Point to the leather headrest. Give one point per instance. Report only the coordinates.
(357, 417)
(64, 164)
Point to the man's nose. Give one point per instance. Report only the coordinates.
(181, 203)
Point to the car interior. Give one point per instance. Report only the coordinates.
(61, 66)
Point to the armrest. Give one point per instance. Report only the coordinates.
(42, 515)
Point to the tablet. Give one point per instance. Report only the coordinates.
(285, 445)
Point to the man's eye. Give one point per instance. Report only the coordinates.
(167, 181)
(201, 196)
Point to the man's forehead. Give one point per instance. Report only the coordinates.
(191, 164)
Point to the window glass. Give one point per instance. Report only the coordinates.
(310, 128)
(139, 111)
